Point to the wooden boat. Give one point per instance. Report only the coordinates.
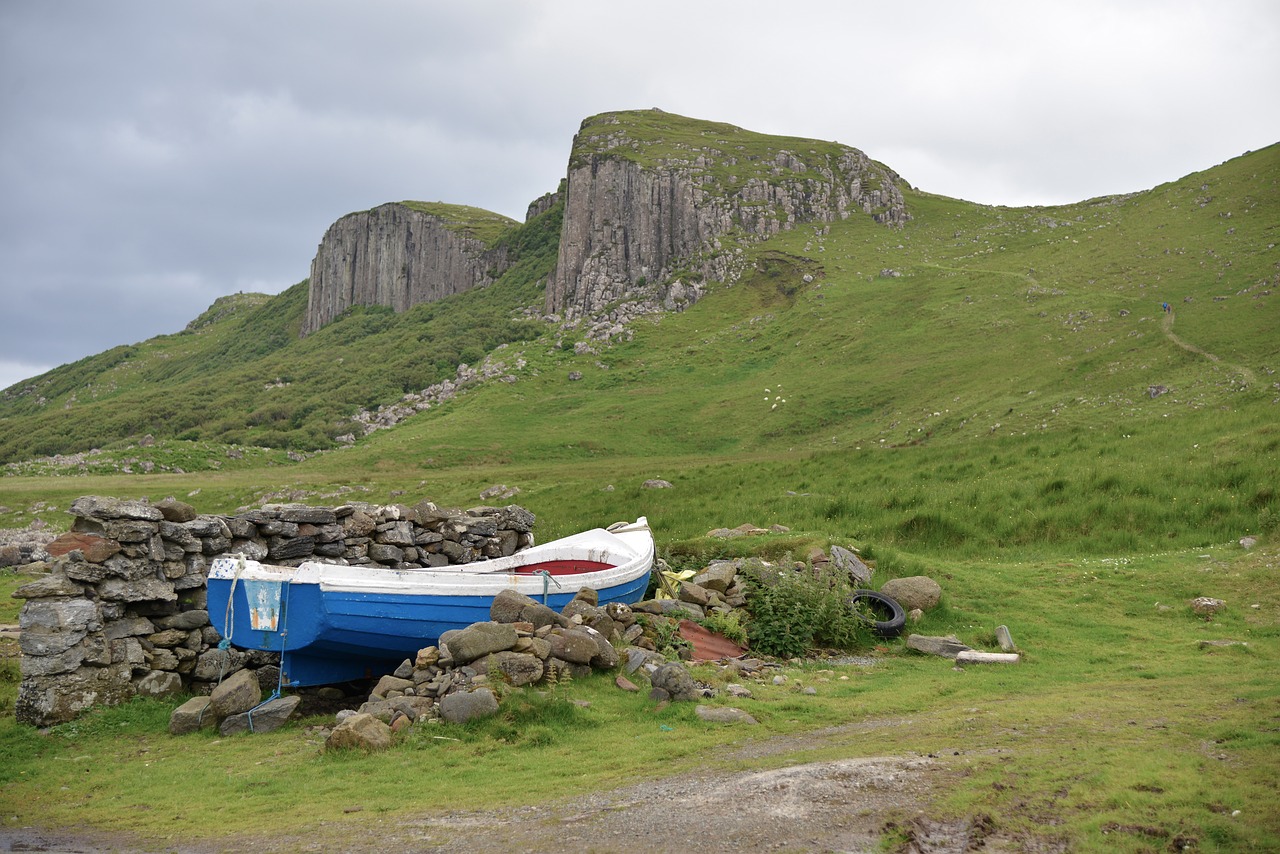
(334, 623)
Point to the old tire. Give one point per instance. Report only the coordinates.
(893, 618)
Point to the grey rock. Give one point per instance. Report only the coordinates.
(158, 683)
(723, 715)
(191, 716)
(846, 561)
(637, 658)
(388, 684)
(947, 647)
(916, 591)
(462, 706)
(238, 693)
(515, 668)
(216, 664)
(359, 732)
(140, 590)
(380, 707)
(99, 507)
(574, 646)
(55, 700)
(1205, 606)
(507, 606)
(268, 717)
(193, 619)
(174, 510)
(718, 576)
(674, 678)
(479, 639)
(49, 586)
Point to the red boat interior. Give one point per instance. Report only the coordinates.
(564, 567)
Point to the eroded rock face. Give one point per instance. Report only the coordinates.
(639, 207)
(396, 256)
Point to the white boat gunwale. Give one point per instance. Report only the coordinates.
(632, 542)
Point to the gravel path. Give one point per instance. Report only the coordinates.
(823, 806)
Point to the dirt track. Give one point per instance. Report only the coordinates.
(844, 805)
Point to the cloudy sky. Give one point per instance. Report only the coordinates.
(157, 155)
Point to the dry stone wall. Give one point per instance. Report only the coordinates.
(122, 612)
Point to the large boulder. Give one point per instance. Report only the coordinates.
(268, 717)
(461, 706)
(847, 561)
(915, 591)
(191, 716)
(238, 693)
(478, 640)
(49, 701)
(576, 646)
(359, 731)
(674, 678)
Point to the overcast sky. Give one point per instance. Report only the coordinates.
(157, 155)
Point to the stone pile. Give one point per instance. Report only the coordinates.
(524, 643)
(122, 612)
(19, 547)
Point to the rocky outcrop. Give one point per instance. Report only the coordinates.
(398, 255)
(644, 208)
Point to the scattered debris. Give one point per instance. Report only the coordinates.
(974, 656)
(948, 647)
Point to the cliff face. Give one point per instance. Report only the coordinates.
(655, 206)
(398, 256)
(650, 195)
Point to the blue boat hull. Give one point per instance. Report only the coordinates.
(327, 636)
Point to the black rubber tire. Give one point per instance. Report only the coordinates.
(882, 605)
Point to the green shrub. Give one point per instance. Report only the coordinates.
(794, 611)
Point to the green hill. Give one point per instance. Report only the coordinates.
(1022, 355)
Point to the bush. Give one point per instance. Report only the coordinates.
(794, 611)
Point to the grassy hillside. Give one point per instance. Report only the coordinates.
(984, 377)
(245, 377)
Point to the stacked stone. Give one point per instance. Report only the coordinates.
(524, 643)
(396, 535)
(122, 609)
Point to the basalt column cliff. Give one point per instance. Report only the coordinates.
(652, 196)
(400, 255)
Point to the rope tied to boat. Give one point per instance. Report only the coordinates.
(228, 627)
(284, 640)
(547, 581)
